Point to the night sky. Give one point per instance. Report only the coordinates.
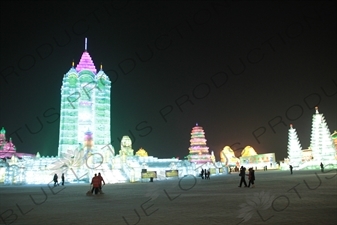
(243, 70)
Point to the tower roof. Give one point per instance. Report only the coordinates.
(86, 63)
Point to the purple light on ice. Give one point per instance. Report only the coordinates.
(86, 63)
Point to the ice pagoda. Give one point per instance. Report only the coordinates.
(323, 148)
(294, 147)
(198, 149)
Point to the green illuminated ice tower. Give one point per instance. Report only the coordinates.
(85, 107)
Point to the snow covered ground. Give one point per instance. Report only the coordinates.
(306, 197)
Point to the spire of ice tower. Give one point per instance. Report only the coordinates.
(86, 62)
(85, 44)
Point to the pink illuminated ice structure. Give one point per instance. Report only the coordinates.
(198, 149)
(86, 63)
(8, 149)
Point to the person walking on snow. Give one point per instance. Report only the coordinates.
(291, 169)
(55, 179)
(251, 177)
(322, 167)
(100, 183)
(95, 182)
(62, 178)
(243, 176)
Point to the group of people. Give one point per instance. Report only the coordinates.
(55, 179)
(205, 174)
(251, 177)
(97, 181)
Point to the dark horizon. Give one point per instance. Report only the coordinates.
(243, 70)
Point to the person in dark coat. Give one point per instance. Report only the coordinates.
(251, 177)
(55, 179)
(322, 167)
(62, 178)
(95, 182)
(242, 174)
(291, 169)
(102, 182)
(202, 173)
(208, 174)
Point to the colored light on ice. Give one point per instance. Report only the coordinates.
(86, 63)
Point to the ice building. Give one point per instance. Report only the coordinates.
(84, 141)
(85, 106)
(250, 158)
(8, 149)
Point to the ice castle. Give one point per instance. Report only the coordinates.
(84, 141)
(85, 107)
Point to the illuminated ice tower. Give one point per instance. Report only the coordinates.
(294, 147)
(85, 106)
(321, 141)
(198, 150)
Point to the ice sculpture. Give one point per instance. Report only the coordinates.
(248, 151)
(141, 152)
(85, 105)
(8, 149)
(227, 157)
(294, 148)
(126, 146)
(198, 149)
(323, 148)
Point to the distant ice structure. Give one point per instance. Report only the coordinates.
(80, 164)
(198, 149)
(294, 147)
(84, 141)
(322, 149)
(322, 145)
